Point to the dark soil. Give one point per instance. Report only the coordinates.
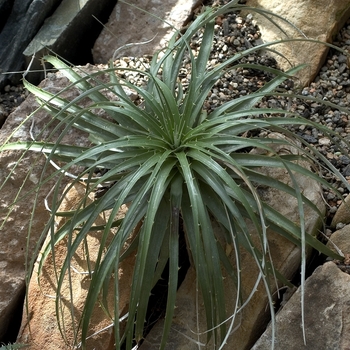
(10, 98)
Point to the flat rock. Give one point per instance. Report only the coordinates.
(327, 309)
(320, 20)
(130, 25)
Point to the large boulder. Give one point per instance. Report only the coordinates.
(39, 326)
(326, 306)
(189, 327)
(19, 196)
(326, 310)
(136, 22)
(319, 20)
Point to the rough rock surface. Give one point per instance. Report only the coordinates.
(39, 327)
(249, 322)
(309, 17)
(327, 308)
(23, 23)
(128, 25)
(14, 240)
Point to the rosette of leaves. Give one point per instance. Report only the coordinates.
(175, 165)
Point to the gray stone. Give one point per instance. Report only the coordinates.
(70, 32)
(23, 23)
(327, 309)
(320, 20)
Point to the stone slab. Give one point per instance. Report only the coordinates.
(327, 309)
(5, 10)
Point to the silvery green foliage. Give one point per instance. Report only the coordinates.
(13, 346)
(174, 163)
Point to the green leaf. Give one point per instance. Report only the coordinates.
(175, 164)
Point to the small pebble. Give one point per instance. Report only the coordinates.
(339, 226)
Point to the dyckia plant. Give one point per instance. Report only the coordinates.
(175, 165)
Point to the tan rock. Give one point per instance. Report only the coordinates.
(342, 215)
(319, 20)
(340, 241)
(326, 307)
(188, 329)
(39, 328)
(23, 172)
(129, 25)
(23, 176)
